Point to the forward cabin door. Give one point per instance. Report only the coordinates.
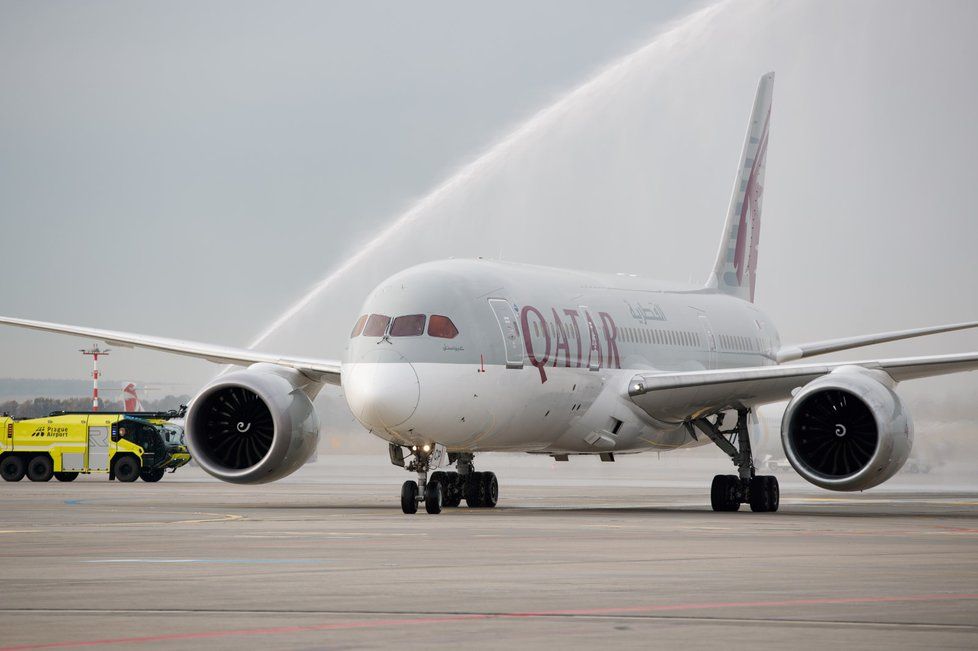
(98, 448)
(510, 330)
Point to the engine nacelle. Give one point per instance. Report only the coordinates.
(253, 426)
(848, 430)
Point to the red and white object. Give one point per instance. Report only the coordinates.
(130, 397)
(94, 351)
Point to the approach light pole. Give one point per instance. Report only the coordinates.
(94, 351)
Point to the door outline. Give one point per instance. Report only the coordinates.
(509, 328)
(711, 341)
(98, 448)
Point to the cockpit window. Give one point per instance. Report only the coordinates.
(441, 326)
(411, 325)
(358, 328)
(376, 325)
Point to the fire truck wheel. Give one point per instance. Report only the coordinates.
(12, 468)
(66, 476)
(40, 468)
(127, 469)
(152, 474)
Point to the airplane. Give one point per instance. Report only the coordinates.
(453, 358)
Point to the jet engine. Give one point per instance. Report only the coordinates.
(253, 426)
(848, 430)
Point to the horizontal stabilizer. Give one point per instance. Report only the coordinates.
(800, 351)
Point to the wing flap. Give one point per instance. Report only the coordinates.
(322, 370)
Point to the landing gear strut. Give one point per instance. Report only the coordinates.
(424, 490)
(443, 489)
(728, 492)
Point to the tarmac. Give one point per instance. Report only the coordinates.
(576, 555)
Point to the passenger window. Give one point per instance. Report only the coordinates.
(376, 325)
(441, 326)
(358, 328)
(408, 326)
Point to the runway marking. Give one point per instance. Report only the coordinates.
(218, 517)
(879, 500)
(345, 534)
(462, 617)
(247, 561)
(21, 530)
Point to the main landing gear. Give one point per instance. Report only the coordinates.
(728, 492)
(443, 489)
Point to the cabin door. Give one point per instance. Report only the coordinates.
(510, 329)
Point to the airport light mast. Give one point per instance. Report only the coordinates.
(94, 351)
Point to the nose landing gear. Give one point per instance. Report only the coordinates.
(443, 489)
(428, 491)
(728, 492)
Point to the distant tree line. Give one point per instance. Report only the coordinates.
(38, 407)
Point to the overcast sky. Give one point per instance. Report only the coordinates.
(189, 169)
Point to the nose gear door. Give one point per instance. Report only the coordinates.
(509, 327)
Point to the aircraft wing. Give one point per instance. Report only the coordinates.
(800, 351)
(322, 370)
(678, 396)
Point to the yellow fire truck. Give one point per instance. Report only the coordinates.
(63, 445)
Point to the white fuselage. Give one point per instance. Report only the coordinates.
(542, 357)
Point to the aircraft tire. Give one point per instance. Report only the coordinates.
(409, 497)
(40, 468)
(432, 497)
(765, 494)
(474, 490)
(724, 493)
(66, 476)
(451, 489)
(12, 468)
(490, 490)
(441, 477)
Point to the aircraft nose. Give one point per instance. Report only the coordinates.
(382, 388)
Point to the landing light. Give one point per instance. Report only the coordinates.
(427, 448)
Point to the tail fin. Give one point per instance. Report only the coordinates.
(735, 270)
(132, 402)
